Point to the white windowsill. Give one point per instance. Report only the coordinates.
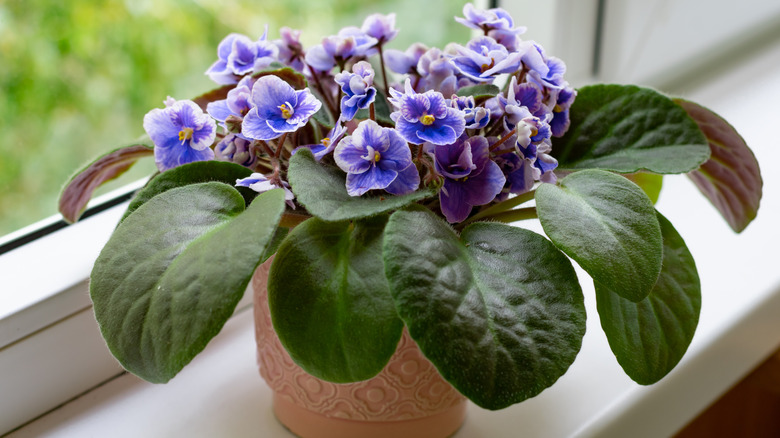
(221, 394)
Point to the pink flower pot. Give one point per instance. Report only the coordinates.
(407, 399)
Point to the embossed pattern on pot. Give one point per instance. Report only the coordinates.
(408, 388)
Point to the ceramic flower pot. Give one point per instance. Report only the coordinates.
(407, 399)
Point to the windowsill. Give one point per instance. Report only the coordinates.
(221, 394)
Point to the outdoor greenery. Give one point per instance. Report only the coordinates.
(78, 76)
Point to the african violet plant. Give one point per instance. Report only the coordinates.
(383, 180)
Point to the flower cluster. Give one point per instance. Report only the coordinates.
(474, 121)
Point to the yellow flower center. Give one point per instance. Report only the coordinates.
(377, 156)
(185, 134)
(557, 109)
(427, 119)
(326, 141)
(534, 131)
(287, 110)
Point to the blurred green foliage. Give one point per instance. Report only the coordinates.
(77, 76)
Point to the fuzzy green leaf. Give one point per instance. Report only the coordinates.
(650, 337)
(192, 173)
(172, 273)
(322, 190)
(330, 302)
(480, 92)
(625, 128)
(499, 311)
(608, 225)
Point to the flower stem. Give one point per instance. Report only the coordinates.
(520, 214)
(501, 207)
(280, 145)
(384, 71)
(328, 103)
(503, 140)
(372, 112)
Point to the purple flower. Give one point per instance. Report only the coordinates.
(349, 42)
(235, 149)
(357, 88)
(405, 62)
(327, 144)
(237, 104)
(426, 117)
(547, 72)
(259, 183)
(495, 23)
(278, 108)
(238, 55)
(483, 58)
(381, 27)
(182, 133)
(563, 100)
(470, 177)
(437, 73)
(376, 158)
(477, 117)
(290, 48)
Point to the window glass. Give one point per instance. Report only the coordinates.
(77, 76)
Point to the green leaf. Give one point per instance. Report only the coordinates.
(479, 92)
(173, 271)
(608, 225)
(329, 299)
(731, 179)
(192, 173)
(499, 311)
(650, 337)
(322, 190)
(625, 128)
(650, 183)
(78, 191)
(381, 110)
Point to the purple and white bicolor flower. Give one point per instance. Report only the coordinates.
(277, 108)
(563, 99)
(405, 62)
(349, 42)
(358, 89)
(437, 73)
(181, 132)
(291, 51)
(547, 72)
(483, 58)
(239, 55)
(426, 117)
(494, 22)
(381, 27)
(489, 19)
(235, 149)
(259, 183)
(376, 158)
(327, 144)
(237, 104)
(470, 177)
(477, 117)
